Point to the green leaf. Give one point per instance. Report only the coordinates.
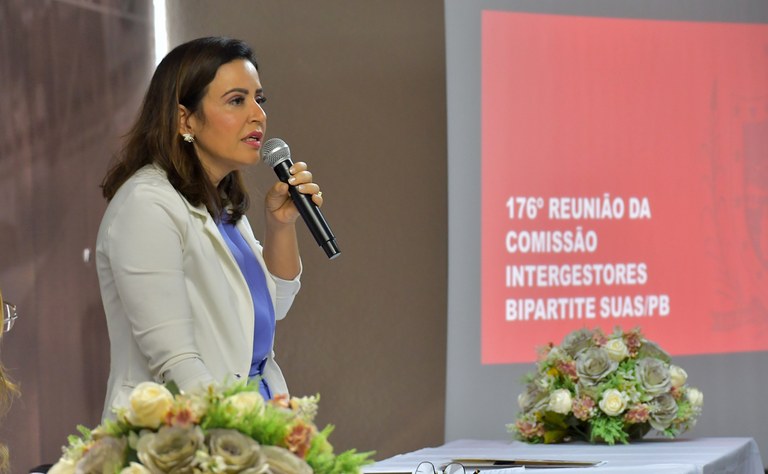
(555, 419)
(322, 460)
(554, 436)
(608, 430)
(173, 388)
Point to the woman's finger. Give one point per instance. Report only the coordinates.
(300, 177)
(318, 198)
(308, 188)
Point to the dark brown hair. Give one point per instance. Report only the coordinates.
(8, 391)
(182, 77)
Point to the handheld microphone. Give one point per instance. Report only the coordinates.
(276, 154)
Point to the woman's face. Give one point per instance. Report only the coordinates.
(231, 124)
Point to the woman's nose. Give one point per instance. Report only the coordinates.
(258, 114)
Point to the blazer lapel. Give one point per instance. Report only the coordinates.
(244, 227)
(229, 265)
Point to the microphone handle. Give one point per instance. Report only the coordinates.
(309, 211)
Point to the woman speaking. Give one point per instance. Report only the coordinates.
(190, 295)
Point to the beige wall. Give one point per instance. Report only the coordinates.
(356, 88)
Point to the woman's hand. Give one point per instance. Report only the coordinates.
(281, 247)
(279, 205)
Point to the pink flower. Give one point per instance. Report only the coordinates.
(181, 417)
(299, 439)
(633, 339)
(184, 413)
(281, 400)
(567, 368)
(543, 351)
(637, 414)
(583, 408)
(529, 429)
(599, 338)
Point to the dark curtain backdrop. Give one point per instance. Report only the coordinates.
(356, 88)
(71, 76)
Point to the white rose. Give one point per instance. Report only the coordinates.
(616, 349)
(246, 402)
(560, 401)
(64, 466)
(522, 400)
(613, 402)
(135, 468)
(695, 397)
(678, 376)
(149, 403)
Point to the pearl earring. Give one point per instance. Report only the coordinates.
(188, 137)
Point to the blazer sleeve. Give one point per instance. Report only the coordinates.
(144, 244)
(285, 290)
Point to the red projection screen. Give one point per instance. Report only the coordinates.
(624, 182)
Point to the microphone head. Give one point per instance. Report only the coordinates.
(275, 151)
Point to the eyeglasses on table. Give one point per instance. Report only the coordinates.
(427, 467)
(9, 314)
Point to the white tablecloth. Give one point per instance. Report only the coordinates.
(662, 456)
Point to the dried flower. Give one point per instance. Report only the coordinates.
(299, 439)
(637, 414)
(305, 407)
(567, 368)
(633, 339)
(530, 429)
(583, 408)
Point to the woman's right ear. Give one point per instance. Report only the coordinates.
(185, 127)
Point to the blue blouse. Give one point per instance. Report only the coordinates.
(264, 313)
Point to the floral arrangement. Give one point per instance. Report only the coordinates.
(605, 388)
(227, 430)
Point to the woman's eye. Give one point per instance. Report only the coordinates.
(260, 99)
(237, 101)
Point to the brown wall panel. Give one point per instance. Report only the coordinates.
(71, 73)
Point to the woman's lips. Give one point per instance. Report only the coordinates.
(253, 139)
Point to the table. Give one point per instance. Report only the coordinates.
(662, 456)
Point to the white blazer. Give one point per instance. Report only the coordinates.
(177, 305)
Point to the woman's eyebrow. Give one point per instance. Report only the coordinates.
(241, 90)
